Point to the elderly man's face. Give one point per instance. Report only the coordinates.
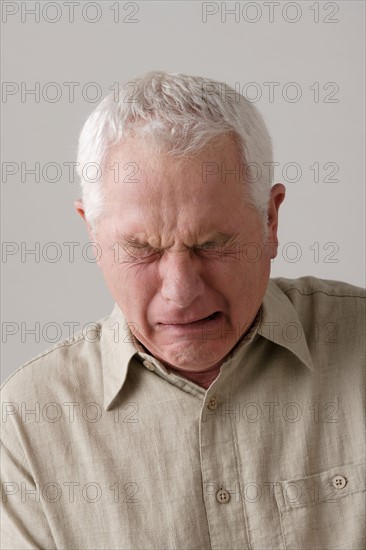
(183, 252)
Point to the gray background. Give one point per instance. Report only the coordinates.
(322, 222)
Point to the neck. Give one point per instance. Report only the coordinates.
(202, 378)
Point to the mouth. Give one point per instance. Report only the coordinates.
(192, 324)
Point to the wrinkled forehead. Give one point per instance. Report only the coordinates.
(136, 165)
(163, 199)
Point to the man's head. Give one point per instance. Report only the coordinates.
(184, 214)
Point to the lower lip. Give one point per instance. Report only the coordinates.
(198, 327)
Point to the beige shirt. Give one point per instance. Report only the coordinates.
(104, 448)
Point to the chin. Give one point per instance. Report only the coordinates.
(192, 356)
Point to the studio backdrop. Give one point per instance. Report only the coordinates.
(301, 63)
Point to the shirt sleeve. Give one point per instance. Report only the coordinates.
(23, 521)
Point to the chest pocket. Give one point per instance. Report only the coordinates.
(325, 510)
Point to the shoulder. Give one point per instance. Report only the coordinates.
(311, 296)
(312, 286)
(35, 397)
(63, 363)
(333, 310)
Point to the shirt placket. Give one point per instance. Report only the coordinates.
(221, 472)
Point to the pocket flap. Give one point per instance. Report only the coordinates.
(326, 486)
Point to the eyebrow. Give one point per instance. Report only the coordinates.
(131, 240)
(219, 238)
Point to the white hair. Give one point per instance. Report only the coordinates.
(181, 113)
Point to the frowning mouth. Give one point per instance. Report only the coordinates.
(192, 324)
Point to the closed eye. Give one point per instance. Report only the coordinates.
(142, 250)
(138, 252)
(209, 245)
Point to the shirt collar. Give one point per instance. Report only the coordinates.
(277, 321)
(280, 323)
(118, 346)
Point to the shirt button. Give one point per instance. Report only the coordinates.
(222, 496)
(149, 365)
(212, 404)
(339, 482)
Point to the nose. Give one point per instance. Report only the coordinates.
(181, 279)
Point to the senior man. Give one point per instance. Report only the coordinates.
(214, 408)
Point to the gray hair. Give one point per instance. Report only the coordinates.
(181, 113)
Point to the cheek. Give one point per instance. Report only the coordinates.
(243, 278)
(135, 286)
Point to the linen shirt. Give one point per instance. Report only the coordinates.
(105, 448)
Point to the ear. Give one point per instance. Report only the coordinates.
(79, 207)
(277, 195)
